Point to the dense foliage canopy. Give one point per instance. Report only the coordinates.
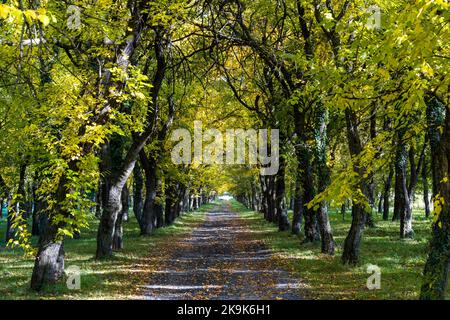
(91, 92)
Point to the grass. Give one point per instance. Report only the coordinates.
(121, 277)
(401, 261)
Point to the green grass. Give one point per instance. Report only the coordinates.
(121, 277)
(401, 261)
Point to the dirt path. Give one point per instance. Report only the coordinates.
(221, 260)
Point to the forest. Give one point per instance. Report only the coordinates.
(351, 99)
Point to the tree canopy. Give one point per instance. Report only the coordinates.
(91, 93)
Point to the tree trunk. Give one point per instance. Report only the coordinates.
(118, 233)
(353, 239)
(406, 229)
(10, 232)
(426, 191)
(181, 205)
(118, 229)
(323, 180)
(159, 205)
(437, 266)
(271, 199)
(369, 219)
(189, 201)
(148, 213)
(325, 229)
(401, 190)
(303, 154)
(138, 186)
(436, 119)
(255, 206)
(264, 197)
(195, 202)
(400, 181)
(114, 183)
(170, 206)
(298, 209)
(397, 205)
(352, 242)
(125, 203)
(106, 230)
(37, 209)
(387, 193)
(380, 203)
(283, 223)
(343, 210)
(49, 262)
(370, 180)
(311, 227)
(99, 197)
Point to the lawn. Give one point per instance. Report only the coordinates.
(401, 261)
(124, 276)
(121, 277)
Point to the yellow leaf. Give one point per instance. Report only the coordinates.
(44, 19)
(4, 11)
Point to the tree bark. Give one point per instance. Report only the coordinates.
(264, 197)
(271, 192)
(125, 203)
(99, 197)
(311, 227)
(148, 213)
(426, 191)
(159, 205)
(344, 209)
(353, 239)
(298, 208)
(112, 209)
(406, 229)
(195, 202)
(49, 262)
(401, 189)
(437, 266)
(352, 242)
(6, 198)
(387, 193)
(312, 233)
(370, 223)
(118, 229)
(304, 154)
(283, 223)
(436, 119)
(169, 213)
(138, 186)
(380, 203)
(114, 183)
(323, 180)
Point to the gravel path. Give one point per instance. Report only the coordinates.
(222, 259)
